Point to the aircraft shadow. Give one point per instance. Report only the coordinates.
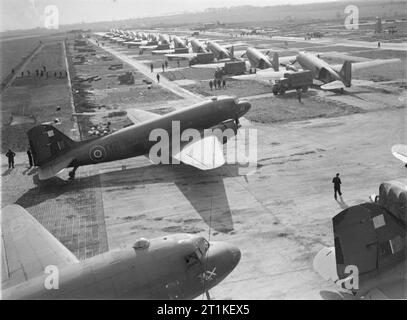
(204, 190)
(335, 295)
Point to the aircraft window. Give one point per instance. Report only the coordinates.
(202, 246)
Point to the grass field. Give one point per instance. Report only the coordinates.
(14, 52)
(238, 88)
(287, 108)
(37, 98)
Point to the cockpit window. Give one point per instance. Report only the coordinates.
(201, 248)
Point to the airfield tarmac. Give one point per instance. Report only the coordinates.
(278, 214)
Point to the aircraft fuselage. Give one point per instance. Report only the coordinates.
(135, 140)
(171, 267)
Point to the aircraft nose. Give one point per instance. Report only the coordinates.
(244, 107)
(224, 257)
(236, 255)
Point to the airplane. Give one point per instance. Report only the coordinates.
(269, 68)
(400, 152)
(177, 266)
(53, 151)
(335, 77)
(368, 259)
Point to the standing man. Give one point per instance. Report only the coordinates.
(224, 84)
(158, 77)
(10, 155)
(299, 95)
(337, 185)
(210, 84)
(151, 67)
(163, 67)
(30, 157)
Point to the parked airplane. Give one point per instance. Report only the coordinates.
(178, 266)
(335, 76)
(53, 151)
(369, 257)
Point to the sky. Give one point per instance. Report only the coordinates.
(25, 14)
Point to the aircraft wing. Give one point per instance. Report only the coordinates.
(400, 152)
(356, 66)
(181, 56)
(264, 76)
(139, 116)
(204, 154)
(209, 65)
(27, 247)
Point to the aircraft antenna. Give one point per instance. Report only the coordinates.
(206, 259)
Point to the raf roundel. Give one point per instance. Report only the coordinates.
(97, 153)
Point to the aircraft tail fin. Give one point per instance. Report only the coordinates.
(47, 143)
(346, 73)
(275, 62)
(369, 237)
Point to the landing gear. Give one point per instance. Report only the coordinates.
(72, 173)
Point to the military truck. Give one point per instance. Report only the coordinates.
(293, 81)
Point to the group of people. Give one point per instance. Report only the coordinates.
(43, 73)
(11, 154)
(217, 84)
(164, 66)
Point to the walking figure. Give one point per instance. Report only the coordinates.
(299, 95)
(219, 83)
(10, 155)
(158, 77)
(163, 66)
(30, 157)
(224, 84)
(337, 185)
(152, 67)
(210, 84)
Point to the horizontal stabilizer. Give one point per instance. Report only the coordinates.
(204, 154)
(334, 85)
(139, 116)
(53, 167)
(400, 152)
(325, 265)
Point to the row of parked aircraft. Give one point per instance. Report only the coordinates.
(271, 66)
